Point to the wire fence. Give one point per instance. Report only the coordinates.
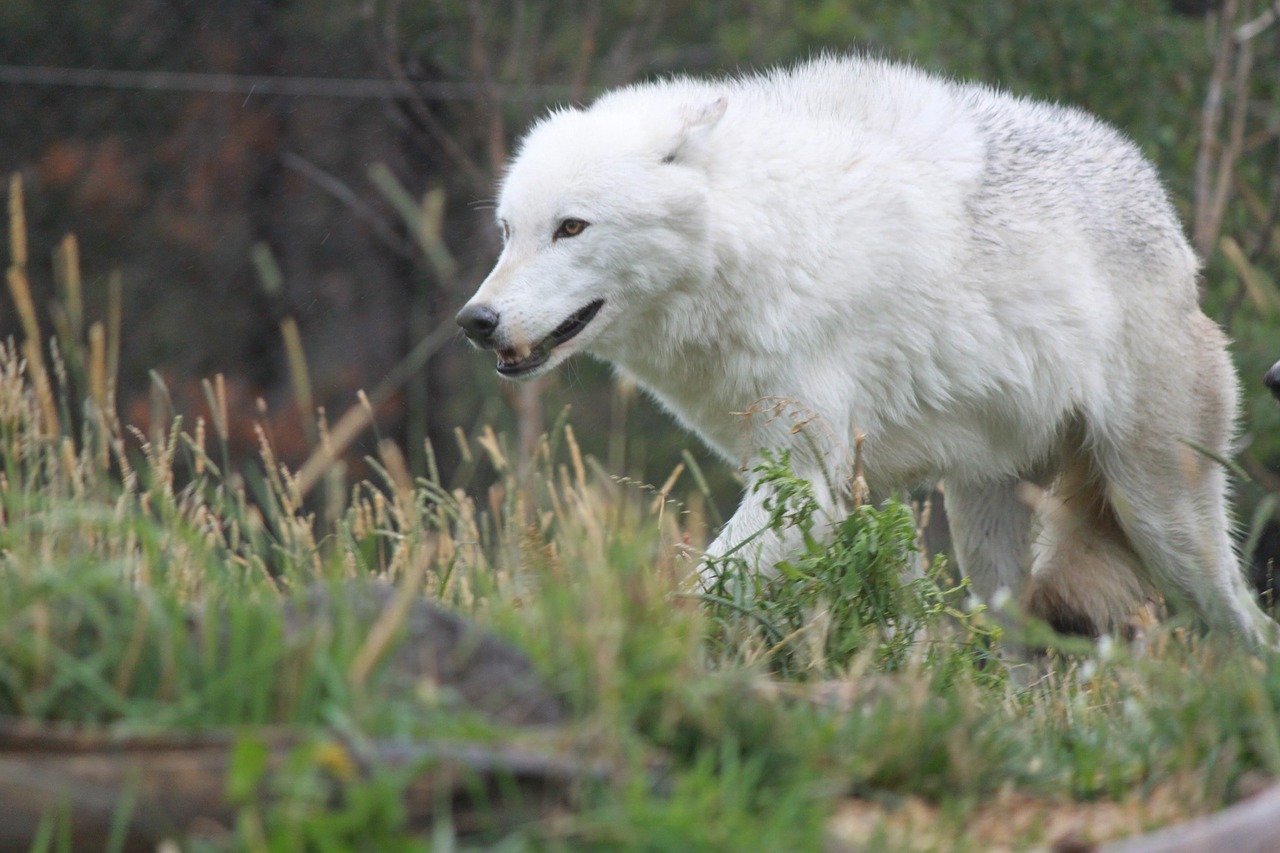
(297, 87)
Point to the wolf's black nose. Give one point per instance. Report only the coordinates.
(1273, 380)
(478, 322)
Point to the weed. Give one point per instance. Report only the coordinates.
(854, 590)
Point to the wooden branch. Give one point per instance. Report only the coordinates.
(1205, 231)
(1258, 25)
(417, 107)
(586, 54)
(1251, 826)
(1230, 154)
(360, 416)
(170, 786)
(332, 185)
(482, 70)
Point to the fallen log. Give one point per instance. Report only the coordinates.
(1249, 826)
(171, 786)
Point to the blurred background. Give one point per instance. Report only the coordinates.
(270, 180)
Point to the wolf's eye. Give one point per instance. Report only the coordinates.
(570, 228)
(506, 230)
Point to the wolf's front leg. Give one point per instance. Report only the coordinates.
(749, 537)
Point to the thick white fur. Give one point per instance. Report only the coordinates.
(993, 291)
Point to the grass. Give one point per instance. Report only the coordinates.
(845, 704)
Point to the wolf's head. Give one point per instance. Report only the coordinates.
(602, 211)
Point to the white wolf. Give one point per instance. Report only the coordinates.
(994, 292)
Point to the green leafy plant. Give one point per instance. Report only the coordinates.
(856, 589)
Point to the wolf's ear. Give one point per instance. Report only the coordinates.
(696, 123)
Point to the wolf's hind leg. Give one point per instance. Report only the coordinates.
(1168, 497)
(1085, 575)
(1173, 511)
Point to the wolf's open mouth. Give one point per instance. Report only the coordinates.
(512, 363)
